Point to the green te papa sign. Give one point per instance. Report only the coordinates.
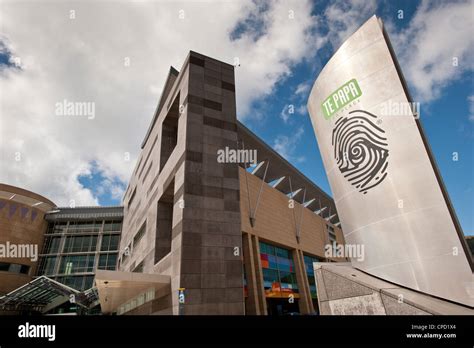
(340, 98)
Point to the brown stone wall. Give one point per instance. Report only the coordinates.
(205, 224)
(276, 223)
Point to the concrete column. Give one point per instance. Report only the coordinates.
(306, 282)
(259, 276)
(253, 306)
(300, 275)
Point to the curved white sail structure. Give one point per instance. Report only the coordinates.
(388, 191)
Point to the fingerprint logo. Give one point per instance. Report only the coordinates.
(360, 149)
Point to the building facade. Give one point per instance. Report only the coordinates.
(22, 228)
(232, 237)
(213, 221)
(77, 242)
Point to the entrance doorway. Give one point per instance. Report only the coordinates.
(281, 306)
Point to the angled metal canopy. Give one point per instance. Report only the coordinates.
(43, 294)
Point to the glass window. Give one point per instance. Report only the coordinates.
(14, 268)
(112, 226)
(139, 235)
(84, 226)
(77, 263)
(88, 281)
(80, 244)
(279, 275)
(108, 262)
(308, 262)
(110, 242)
(47, 265)
(51, 245)
(77, 282)
(57, 227)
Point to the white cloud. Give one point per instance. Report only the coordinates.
(302, 89)
(301, 109)
(438, 37)
(343, 18)
(82, 60)
(287, 112)
(470, 99)
(286, 145)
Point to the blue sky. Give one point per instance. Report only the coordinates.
(445, 121)
(81, 58)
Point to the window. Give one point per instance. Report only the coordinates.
(77, 282)
(110, 242)
(84, 226)
(279, 275)
(51, 245)
(77, 263)
(169, 133)
(112, 226)
(308, 263)
(14, 268)
(139, 235)
(80, 244)
(57, 227)
(108, 262)
(164, 223)
(47, 265)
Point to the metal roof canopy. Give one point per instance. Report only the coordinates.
(280, 168)
(85, 213)
(43, 294)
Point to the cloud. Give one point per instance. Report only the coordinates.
(343, 18)
(289, 110)
(302, 89)
(470, 99)
(81, 59)
(286, 145)
(301, 109)
(437, 47)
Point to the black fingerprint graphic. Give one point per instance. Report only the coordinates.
(360, 149)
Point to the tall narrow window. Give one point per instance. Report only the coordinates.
(169, 132)
(164, 223)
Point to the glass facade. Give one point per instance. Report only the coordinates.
(77, 264)
(51, 245)
(80, 244)
(73, 250)
(47, 265)
(110, 242)
(308, 264)
(77, 282)
(108, 261)
(279, 276)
